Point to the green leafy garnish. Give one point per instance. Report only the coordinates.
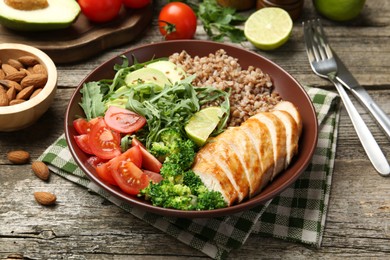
(220, 22)
(92, 100)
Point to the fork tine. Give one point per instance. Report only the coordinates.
(307, 33)
(325, 41)
(323, 44)
(318, 39)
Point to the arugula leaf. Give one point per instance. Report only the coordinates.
(173, 106)
(220, 22)
(92, 100)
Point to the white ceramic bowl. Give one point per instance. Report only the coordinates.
(22, 115)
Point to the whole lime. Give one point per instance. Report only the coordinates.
(339, 10)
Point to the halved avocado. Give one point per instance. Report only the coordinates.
(147, 75)
(170, 69)
(57, 15)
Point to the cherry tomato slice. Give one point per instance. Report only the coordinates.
(104, 171)
(82, 126)
(149, 162)
(123, 120)
(104, 142)
(154, 177)
(95, 161)
(129, 177)
(82, 142)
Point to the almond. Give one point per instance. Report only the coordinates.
(45, 198)
(25, 93)
(28, 61)
(10, 84)
(39, 69)
(2, 74)
(4, 101)
(41, 170)
(36, 80)
(11, 93)
(18, 157)
(15, 63)
(16, 101)
(17, 76)
(36, 92)
(27, 71)
(8, 69)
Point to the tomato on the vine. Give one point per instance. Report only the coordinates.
(100, 11)
(177, 21)
(136, 3)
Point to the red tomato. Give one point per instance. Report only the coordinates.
(149, 162)
(136, 3)
(104, 171)
(123, 120)
(154, 177)
(100, 11)
(95, 161)
(104, 142)
(83, 143)
(177, 21)
(82, 126)
(129, 177)
(133, 154)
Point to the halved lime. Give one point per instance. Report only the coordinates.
(202, 124)
(268, 28)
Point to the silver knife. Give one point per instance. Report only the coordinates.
(345, 77)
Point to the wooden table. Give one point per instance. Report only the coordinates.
(84, 226)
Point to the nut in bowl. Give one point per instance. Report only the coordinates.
(28, 83)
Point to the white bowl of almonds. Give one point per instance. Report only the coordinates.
(28, 83)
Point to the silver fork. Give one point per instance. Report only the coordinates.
(324, 65)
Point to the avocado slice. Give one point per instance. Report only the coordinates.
(147, 75)
(58, 14)
(170, 69)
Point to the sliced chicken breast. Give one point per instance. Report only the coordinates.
(260, 136)
(245, 150)
(214, 177)
(225, 156)
(293, 111)
(241, 161)
(278, 136)
(292, 136)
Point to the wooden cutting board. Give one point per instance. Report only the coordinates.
(83, 39)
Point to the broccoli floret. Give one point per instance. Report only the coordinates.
(172, 147)
(207, 199)
(171, 171)
(181, 188)
(166, 144)
(192, 180)
(183, 155)
(190, 194)
(169, 195)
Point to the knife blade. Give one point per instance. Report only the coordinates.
(345, 77)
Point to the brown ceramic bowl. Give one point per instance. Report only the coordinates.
(16, 117)
(284, 83)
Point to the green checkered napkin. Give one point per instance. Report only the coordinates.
(298, 214)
